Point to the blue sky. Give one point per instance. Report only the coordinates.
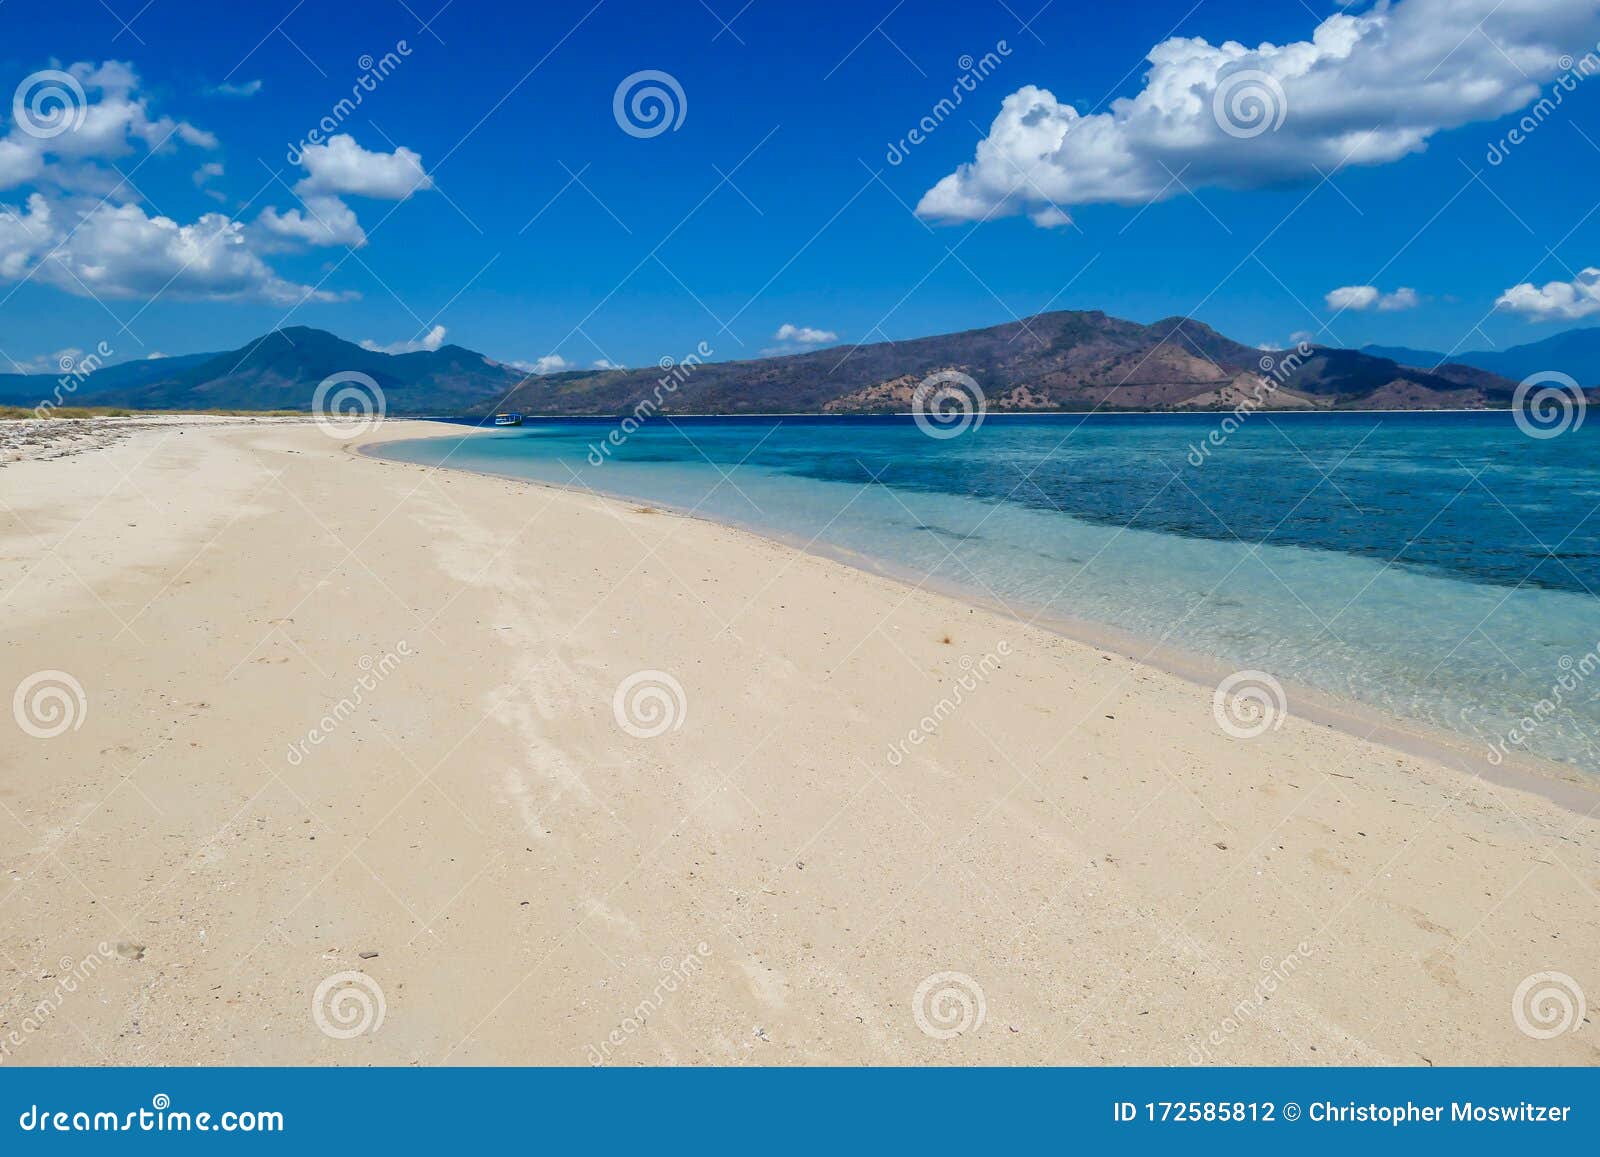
(533, 226)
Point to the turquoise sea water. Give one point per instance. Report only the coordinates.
(1441, 567)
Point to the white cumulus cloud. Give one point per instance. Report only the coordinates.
(323, 221)
(337, 169)
(1553, 301)
(61, 361)
(1351, 297)
(1362, 297)
(25, 235)
(1368, 88)
(242, 89)
(120, 251)
(549, 364)
(81, 229)
(429, 341)
(71, 126)
(343, 166)
(804, 335)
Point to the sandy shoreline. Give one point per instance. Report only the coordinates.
(1077, 850)
(1561, 783)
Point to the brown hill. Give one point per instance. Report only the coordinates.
(1052, 361)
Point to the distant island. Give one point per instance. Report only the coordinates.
(1066, 361)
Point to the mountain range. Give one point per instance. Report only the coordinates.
(1067, 360)
(1575, 352)
(279, 371)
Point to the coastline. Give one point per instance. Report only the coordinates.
(348, 717)
(1106, 411)
(1570, 787)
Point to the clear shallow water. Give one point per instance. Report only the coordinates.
(1436, 566)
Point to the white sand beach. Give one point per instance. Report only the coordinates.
(346, 716)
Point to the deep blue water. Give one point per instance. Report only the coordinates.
(1440, 566)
